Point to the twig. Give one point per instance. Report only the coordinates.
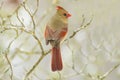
(34, 66)
(20, 19)
(107, 73)
(73, 60)
(32, 17)
(81, 27)
(16, 10)
(39, 42)
(16, 28)
(60, 76)
(36, 8)
(6, 56)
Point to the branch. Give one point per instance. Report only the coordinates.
(34, 66)
(18, 50)
(16, 10)
(39, 42)
(32, 17)
(6, 55)
(82, 26)
(20, 19)
(36, 8)
(107, 73)
(16, 28)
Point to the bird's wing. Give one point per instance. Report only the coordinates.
(55, 35)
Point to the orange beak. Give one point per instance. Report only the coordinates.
(68, 15)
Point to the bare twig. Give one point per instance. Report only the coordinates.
(39, 42)
(36, 8)
(81, 27)
(60, 76)
(11, 75)
(16, 10)
(6, 54)
(34, 66)
(32, 17)
(20, 19)
(108, 72)
(16, 28)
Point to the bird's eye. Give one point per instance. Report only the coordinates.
(65, 14)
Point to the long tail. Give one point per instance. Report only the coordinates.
(56, 59)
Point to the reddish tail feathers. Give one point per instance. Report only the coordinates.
(56, 59)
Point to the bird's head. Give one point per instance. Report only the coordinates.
(62, 12)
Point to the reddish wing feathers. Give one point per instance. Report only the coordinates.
(46, 35)
(63, 33)
(56, 35)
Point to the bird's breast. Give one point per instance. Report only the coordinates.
(57, 24)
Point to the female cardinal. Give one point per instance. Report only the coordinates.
(55, 31)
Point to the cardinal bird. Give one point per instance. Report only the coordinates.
(55, 31)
